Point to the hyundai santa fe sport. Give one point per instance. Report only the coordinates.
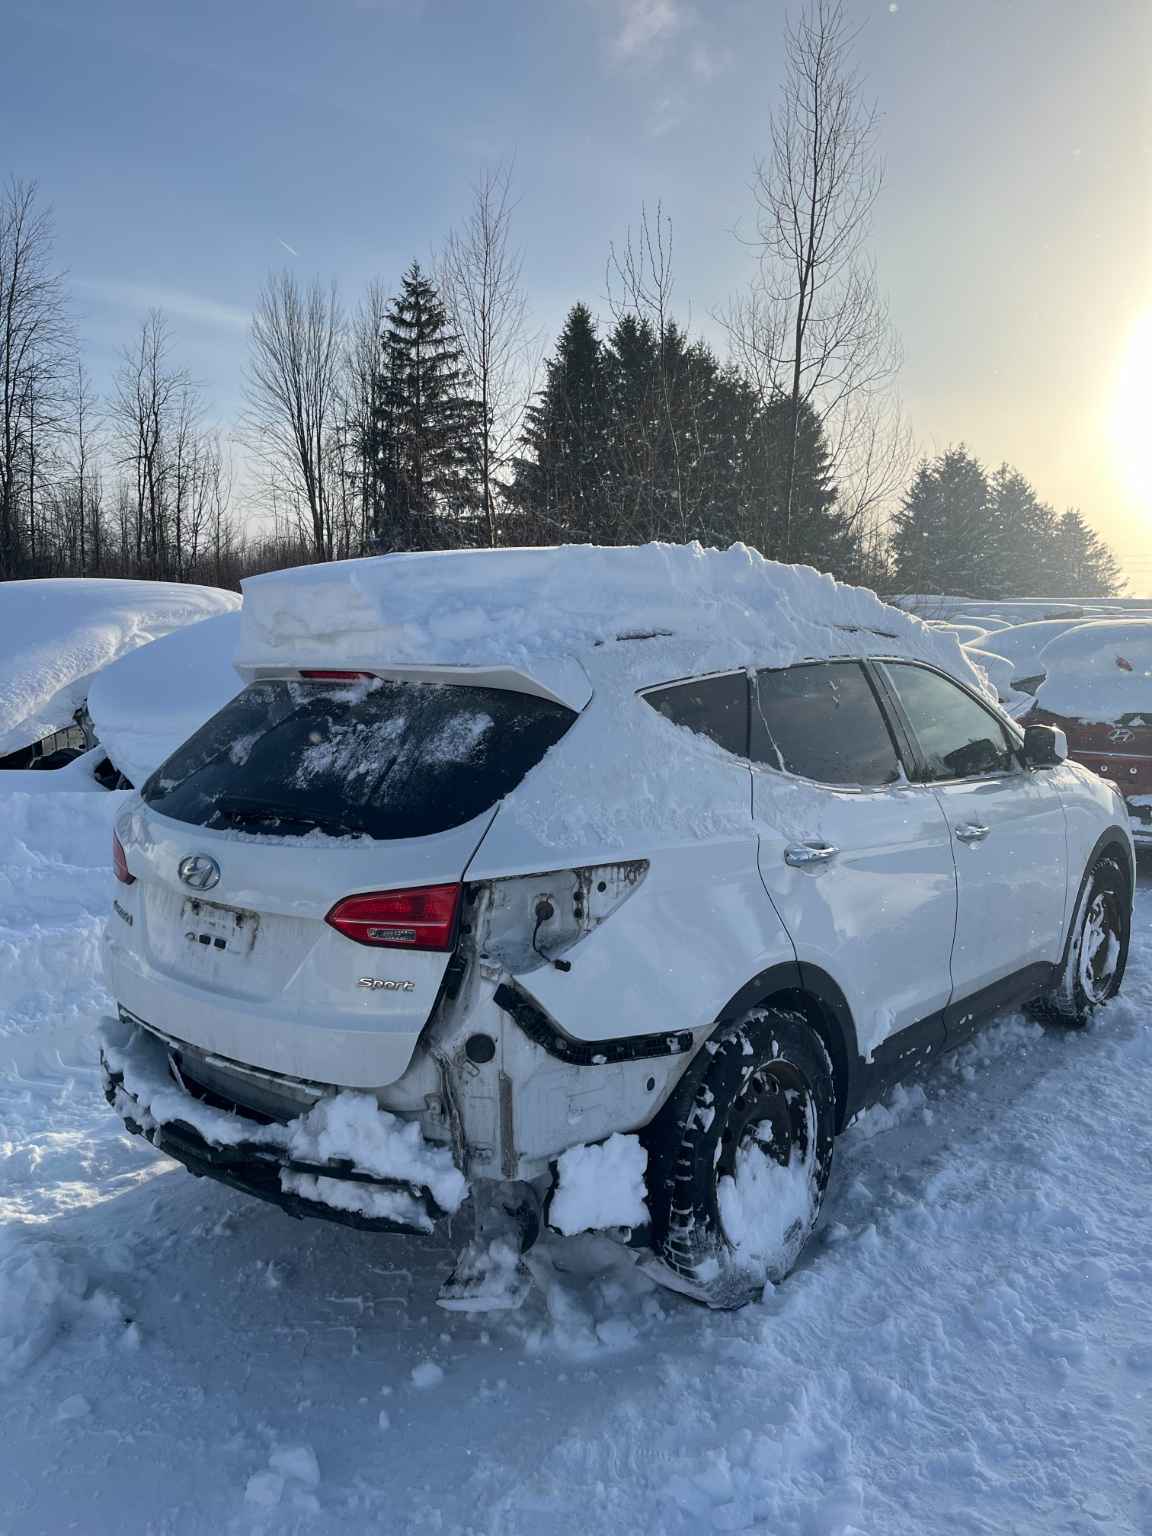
(586, 889)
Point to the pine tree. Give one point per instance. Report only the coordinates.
(946, 536)
(645, 436)
(1086, 565)
(425, 436)
(559, 486)
(964, 531)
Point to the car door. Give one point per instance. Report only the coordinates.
(1008, 831)
(856, 858)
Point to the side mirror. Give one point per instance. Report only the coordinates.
(1045, 746)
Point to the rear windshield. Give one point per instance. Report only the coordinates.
(374, 759)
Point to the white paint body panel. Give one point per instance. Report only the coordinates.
(293, 1004)
(1012, 885)
(879, 916)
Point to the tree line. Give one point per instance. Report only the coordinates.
(425, 418)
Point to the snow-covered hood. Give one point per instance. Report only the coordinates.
(674, 608)
(55, 634)
(150, 701)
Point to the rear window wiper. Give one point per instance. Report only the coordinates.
(242, 812)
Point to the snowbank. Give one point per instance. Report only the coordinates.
(1099, 672)
(55, 634)
(519, 607)
(149, 702)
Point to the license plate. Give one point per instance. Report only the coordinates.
(218, 930)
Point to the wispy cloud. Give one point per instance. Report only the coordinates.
(644, 27)
(190, 307)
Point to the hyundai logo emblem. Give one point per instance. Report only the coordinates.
(199, 871)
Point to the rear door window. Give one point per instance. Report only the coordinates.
(822, 721)
(959, 738)
(380, 759)
(716, 707)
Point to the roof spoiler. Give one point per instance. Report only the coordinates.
(560, 679)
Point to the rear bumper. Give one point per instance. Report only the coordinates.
(353, 1197)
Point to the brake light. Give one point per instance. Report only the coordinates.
(317, 676)
(120, 863)
(424, 918)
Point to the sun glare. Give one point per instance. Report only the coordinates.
(1132, 414)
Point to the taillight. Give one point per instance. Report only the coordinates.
(424, 918)
(120, 863)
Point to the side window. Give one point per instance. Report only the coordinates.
(716, 707)
(822, 721)
(958, 736)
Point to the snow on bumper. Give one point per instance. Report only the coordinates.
(345, 1159)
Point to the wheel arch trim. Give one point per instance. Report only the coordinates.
(809, 988)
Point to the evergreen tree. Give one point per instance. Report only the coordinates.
(946, 535)
(559, 486)
(425, 432)
(646, 436)
(964, 531)
(1086, 566)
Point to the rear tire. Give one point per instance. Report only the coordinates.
(739, 1160)
(1097, 951)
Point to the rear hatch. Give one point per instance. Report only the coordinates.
(305, 849)
(1120, 751)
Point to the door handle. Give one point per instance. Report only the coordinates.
(972, 832)
(802, 855)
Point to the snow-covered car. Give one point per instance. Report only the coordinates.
(57, 636)
(1097, 688)
(149, 701)
(601, 886)
(1001, 674)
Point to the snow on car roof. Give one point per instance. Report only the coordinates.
(148, 702)
(688, 609)
(1099, 671)
(55, 633)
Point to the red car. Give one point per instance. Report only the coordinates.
(1097, 687)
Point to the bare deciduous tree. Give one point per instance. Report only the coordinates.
(34, 345)
(153, 409)
(480, 282)
(293, 393)
(813, 328)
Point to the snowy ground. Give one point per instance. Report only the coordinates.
(967, 1348)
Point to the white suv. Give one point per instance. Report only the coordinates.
(596, 888)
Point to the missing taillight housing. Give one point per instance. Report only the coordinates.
(120, 863)
(423, 918)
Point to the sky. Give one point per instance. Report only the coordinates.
(187, 149)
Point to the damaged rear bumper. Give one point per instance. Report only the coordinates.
(351, 1196)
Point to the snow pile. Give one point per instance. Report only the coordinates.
(1099, 672)
(347, 1126)
(520, 607)
(55, 634)
(150, 701)
(600, 1186)
(44, 1294)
